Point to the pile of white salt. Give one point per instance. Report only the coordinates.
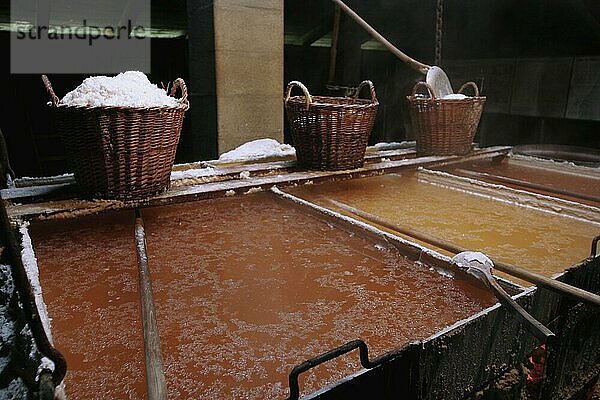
(257, 150)
(454, 96)
(128, 89)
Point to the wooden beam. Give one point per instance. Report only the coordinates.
(75, 207)
(316, 33)
(155, 376)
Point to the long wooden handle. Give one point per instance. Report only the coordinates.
(155, 376)
(539, 280)
(414, 64)
(533, 325)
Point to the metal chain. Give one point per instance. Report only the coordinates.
(438, 31)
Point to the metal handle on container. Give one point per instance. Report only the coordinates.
(473, 85)
(53, 97)
(338, 351)
(423, 84)
(322, 358)
(371, 88)
(307, 95)
(179, 83)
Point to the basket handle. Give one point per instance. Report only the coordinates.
(53, 97)
(371, 88)
(307, 95)
(473, 85)
(425, 84)
(179, 83)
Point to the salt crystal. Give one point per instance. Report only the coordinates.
(454, 96)
(253, 190)
(393, 145)
(192, 173)
(258, 149)
(128, 89)
(31, 268)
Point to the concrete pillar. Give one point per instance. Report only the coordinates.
(248, 70)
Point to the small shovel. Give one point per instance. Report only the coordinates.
(480, 266)
(436, 77)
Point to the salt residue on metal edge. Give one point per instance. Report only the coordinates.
(364, 225)
(553, 163)
(193, 173)
(28, 180)
(31, 268)
(392, 145)
(510, 195)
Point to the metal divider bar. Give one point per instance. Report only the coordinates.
(526, 184)
(155, 377)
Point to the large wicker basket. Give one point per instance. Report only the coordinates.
(330, 133)
(445, 126)
(122, 153)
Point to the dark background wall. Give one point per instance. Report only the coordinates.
(538, 63)
(33, 143)
(32, 140)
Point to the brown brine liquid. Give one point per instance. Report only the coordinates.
(542, 242)
(89, 277)
(246, 288)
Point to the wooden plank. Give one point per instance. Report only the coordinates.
(583, 102)
(494, 77)
(495, 80)
(541, 87)
(76, 207)
(63, 187)
(461, 71)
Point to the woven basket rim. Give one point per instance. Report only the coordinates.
(469, 99)
(319, 103)
(182, 107)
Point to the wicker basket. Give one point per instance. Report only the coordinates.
(444, 127)
(122, 153)
(330, 133)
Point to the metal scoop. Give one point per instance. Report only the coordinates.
(436, 77)
(439, 82)
(480, 266)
